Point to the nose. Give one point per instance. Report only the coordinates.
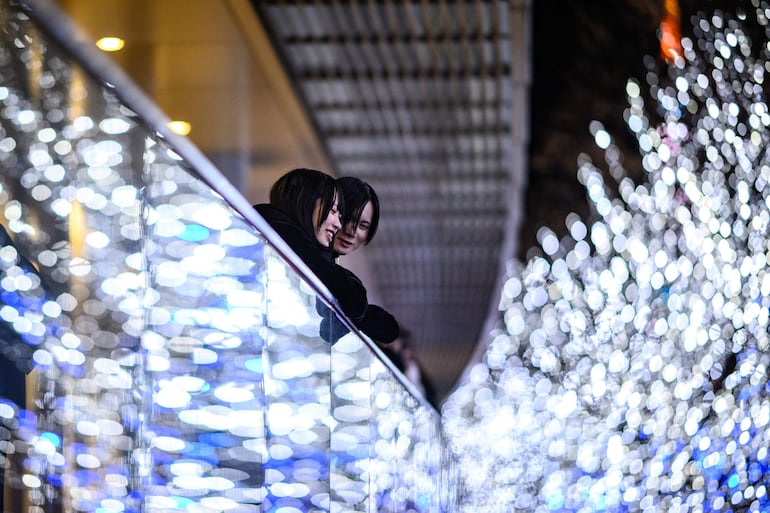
(336, 223)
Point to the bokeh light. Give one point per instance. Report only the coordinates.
(628, 371)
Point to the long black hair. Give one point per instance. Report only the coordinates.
(357, 194)
(297, 192)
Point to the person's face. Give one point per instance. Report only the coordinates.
(353, 236)
(326, 229)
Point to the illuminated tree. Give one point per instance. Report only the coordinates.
(629, 370)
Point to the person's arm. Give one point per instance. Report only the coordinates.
(345, 286)
(379, 325)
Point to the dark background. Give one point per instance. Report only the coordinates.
(583, 54)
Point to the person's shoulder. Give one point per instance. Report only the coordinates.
(269, 212)
(328, 254)
(276, 218)
(292, 234)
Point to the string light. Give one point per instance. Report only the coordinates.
(629, 368)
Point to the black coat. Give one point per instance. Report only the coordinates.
(343, 284)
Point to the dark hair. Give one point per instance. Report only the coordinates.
(296, 193)
(357, 194)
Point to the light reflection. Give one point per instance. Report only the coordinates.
(178, 360)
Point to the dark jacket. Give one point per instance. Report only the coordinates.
(377, 322)
(343, 284)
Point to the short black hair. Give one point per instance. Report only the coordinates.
(296, 193)
(357, 194)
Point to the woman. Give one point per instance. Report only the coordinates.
(304, 210)
(359, 225)
(362, 215)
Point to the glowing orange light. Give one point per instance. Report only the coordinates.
(180, 127)
(110, 44)
(670, 34)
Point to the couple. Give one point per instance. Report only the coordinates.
(321, 218)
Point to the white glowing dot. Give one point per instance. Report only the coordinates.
(79, 267)
(204, 356)
(26, 116)
(114, 126)
(41, 192)
(112, 505)
(213, 216)
(239, 237)
(61, 207)
(602, 139)
(87, 428)
(188, 468)
(97, 240)
(31, 481)
(46, 135)
(124, 196)
(62, 147)
(172, 398)
(83, 123)
(88, 461)
(168, 443)
(189, 383)
(219, 483)
(7, 411)
(223, 504)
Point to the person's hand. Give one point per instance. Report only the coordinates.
(331, 328)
